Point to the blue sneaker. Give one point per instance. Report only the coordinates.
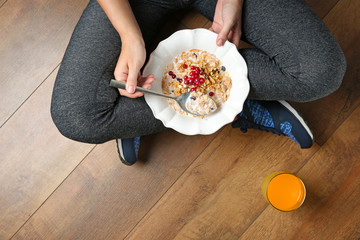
(128, 149)
(277, 117)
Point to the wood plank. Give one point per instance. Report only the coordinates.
(104, 199)
(34, 35)
(321, 8)
(219, 195)
(193, 19)
(332, 207)
(326, 115)
(35, 159)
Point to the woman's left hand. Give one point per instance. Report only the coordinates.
(227, 21)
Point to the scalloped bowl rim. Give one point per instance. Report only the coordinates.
(228, 54)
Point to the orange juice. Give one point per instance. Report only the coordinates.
(284, 191)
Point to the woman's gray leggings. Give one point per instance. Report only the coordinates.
(296, 58)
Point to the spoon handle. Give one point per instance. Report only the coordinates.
(122, 85)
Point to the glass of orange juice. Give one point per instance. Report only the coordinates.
(284, 191)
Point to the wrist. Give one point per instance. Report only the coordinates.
(132, 40)
(236, 3)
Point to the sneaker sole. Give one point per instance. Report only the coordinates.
(297, 115)
(121, 153)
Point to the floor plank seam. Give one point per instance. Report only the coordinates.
(308, 159)
(172, 185)
(331, 9)
(3, 3)
(205, 23)
(348, 116)
(260, 213)
(60, 184)
(32, 93)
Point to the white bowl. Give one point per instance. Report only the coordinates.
(202, 39)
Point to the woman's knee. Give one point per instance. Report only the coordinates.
(322, 73)
(74, 124)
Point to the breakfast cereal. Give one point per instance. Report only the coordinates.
(200, 72)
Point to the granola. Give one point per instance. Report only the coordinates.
(198, 71)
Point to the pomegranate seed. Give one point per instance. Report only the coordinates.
(211, 94)
(171, 73)
(191, 81)
(173, 76)
(201, 80)
(201, 72)
(192, 73)
(186, 82)
(192, 67)
(197, 81)
(180, 80)
(186, 77)
(193, 89)
(185, 66)
(192, 77)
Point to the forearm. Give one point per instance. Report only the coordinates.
(122, 18)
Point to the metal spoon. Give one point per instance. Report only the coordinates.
(181, 100)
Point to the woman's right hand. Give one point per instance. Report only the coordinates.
(131, 59)
(133, 53)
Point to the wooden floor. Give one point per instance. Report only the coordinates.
(55, 188)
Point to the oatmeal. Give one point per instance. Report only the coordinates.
(200, 72)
